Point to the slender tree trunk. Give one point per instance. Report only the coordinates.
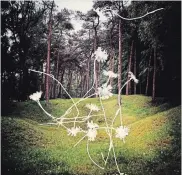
(135, 69)
(148, 75)
(120, 63)
(111, 64)
(88, 74)
(61, 81)
(154, 76)
(48, 53)
(69, 82)
(96, 64)
(128, 86)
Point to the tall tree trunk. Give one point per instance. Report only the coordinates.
(69, 81)
(154, 76)
(135, 69)
(88, 74)
(48, 53)
(111, 64)
(128, 86)
(120, 63)
(96, 64)
(56, 74)
(148, 74)
(61, 81)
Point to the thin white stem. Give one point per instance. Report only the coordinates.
(63, 126)
(130, 19)
(59, 83)
(108, 80)
(107, 128)
(90, 112)
(80, 140)
(103, 158)
(80, 117)
(52, 117)
(91, 157)
(116, 160)
(82, 99)
(74, 121)
(48, 123)
(121, 120)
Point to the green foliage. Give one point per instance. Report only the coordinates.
(152, 146)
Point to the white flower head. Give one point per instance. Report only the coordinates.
(92, 133)
(73, 131)
(92, 125)
(92, 107)
(132, 76)
(110, 74)
(105, 91)
(100, 56)
(122, 132)
(36, 96)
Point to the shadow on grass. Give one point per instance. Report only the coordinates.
(23, 151)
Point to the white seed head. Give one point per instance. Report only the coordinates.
(122, 132)
(36, 96)
(73, 131)
(92, 125)
(92, 107)
(100, 56)
(110, 74)
(92, 133)
(132, 76)
(105, 91)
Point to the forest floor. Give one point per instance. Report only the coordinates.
(151, 148)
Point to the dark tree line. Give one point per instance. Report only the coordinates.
(34, 32)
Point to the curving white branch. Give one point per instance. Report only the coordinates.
(52, 117)
(130, 19)
(91, 157)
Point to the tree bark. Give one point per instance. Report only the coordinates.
(61, 80)
(111, 64)
(148, 74)
(69, 81)
(56, 74)
(96, 64)
(128, 86)
(120, 63)
(154, 76)
(135, 69)
(48, 53)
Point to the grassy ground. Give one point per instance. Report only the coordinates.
(152, 146)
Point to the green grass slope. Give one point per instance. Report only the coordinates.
(152, 146)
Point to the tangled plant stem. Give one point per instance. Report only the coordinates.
(91, 132)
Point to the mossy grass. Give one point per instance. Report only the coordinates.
(152, 146)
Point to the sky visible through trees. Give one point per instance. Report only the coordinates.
(149, 46)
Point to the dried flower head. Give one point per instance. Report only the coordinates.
(132, 76)
(92, 107)
(73, 131)
(92, 133)
(122, 132)
(36, 96)
(105, 91)
(92, 125)
(110, 74)
(100, 56)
